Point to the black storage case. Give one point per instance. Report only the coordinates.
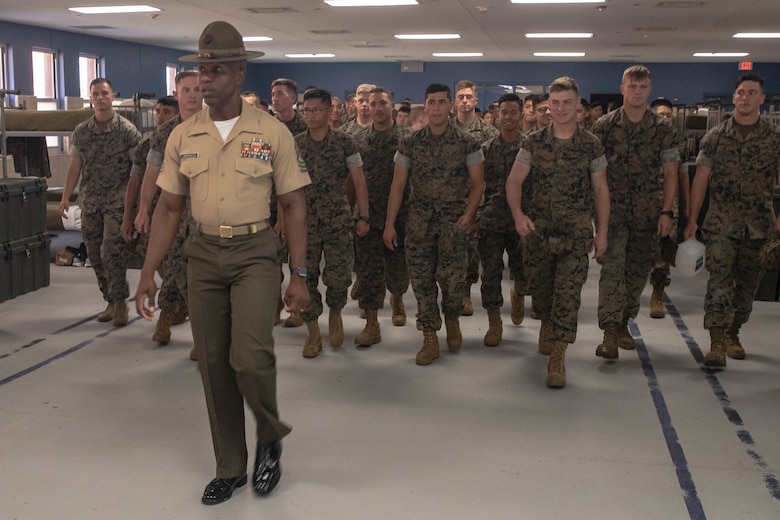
(24, 266)
(22, 208)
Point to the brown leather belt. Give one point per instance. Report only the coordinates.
(233, 231)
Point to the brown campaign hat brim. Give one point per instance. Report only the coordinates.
(220, 56)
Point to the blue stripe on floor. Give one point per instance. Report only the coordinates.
(71, 350)
(692, 502)
(770, 480)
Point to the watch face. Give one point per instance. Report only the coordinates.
(301, 271)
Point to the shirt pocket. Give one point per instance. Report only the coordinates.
(196, 172)
(253, 178)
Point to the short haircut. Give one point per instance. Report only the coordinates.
(101, 80)
(594, 104)
(509, 98)
(464, 83)
(318, 93)
(311, 87)
(287, 83)
(750, 77)
(168, 101)
(263, 103)
(415, 114)
(364, 88)
(637, 73)
(564, 84)
(405, 109)
(185, 74)
(661, 102)
(249, 93)
(435, 88)
(540, 98)
(528, 97)
(381, 90)
(350, 97)
(584, 102)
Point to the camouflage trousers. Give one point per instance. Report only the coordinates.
(335, 243)
(436, 253)
(107, 251)
(492, 245)
(660, 276)
(625, 267)
(379, 268)
(556, 276)
(173, 269)
(734, 278)
(472, 273)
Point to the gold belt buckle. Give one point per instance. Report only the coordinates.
(225, 231)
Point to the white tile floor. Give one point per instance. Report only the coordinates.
(101, 423)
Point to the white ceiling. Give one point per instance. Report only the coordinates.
(625, 30)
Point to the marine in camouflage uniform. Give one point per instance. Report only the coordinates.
(496, 227)
(567, 168)
(639, 191)
(330, 160)
(741, 160)
(173, 270)
(443, 169)
(561, 208)
(483, 132)
(379, 268)
(105, 150)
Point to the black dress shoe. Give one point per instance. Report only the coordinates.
(221, 489)
(268, 469)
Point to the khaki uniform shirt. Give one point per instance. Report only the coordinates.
(230, 181)
(105, 161)
(744, 172)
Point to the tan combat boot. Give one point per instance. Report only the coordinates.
(608, 349)
(162, 333)
(625, 339)
(454, 337)
(294, 320)
(370, 335)
(734, 348)
(194, 353)
(399, 312)
(716, 357)
(518, 306)
(468, 307)
(335, 328)
(430, 348)
(108, 314)
(495, 328)
(120, 313)
(181, 314)
(313, 345)
(556, 368)
(657, 302)
(353, 293)
(546, 343)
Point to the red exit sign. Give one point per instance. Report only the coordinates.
(745, 65)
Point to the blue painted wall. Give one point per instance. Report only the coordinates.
(141, 68)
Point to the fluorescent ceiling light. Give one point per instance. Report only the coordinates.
(457, 54)
(559, 35)
(559, 54)
(427, 36)
(369, 3)
(756, 35)
(720, 54)
(310, 55)
(559, 1)
(115, 9)
(257, 38)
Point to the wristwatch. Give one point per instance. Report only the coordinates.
(668, 213)
(299, 271)
(364, 219)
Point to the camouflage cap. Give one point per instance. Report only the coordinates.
(220, 42)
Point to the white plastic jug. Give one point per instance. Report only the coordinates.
(690, 257)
